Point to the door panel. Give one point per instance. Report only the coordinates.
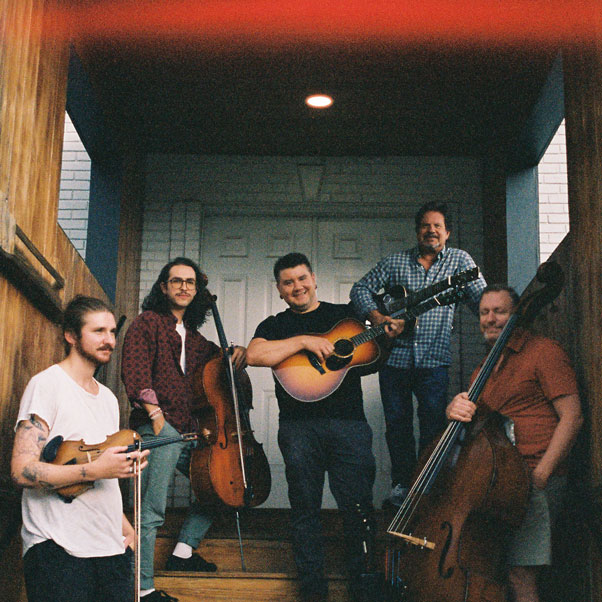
(239, 254)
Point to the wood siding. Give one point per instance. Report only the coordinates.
(583, 105)
(33, 79)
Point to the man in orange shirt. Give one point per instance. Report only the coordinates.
(535, 386)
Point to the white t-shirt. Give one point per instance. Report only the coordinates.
(91, 525)
(181, 330)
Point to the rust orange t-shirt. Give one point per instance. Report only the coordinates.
(533, 372)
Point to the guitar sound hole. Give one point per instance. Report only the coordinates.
(343, 348)
(334, 362)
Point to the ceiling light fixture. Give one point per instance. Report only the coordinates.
(318, 101)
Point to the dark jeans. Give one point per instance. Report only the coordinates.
(343, 448)
(53, 575)
(396, 388)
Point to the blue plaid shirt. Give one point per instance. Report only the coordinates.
(429, 345)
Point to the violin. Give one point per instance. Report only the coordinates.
(58, 451)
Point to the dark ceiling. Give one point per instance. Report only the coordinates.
(388, 99)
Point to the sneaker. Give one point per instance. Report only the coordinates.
(158, 596)
(397, 496)
(194, 563)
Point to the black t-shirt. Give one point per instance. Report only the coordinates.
(346, 401)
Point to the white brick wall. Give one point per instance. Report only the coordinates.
(553, 195)
(75, 188)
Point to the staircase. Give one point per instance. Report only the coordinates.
(270, 573)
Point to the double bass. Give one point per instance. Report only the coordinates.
(471, 488)
(232, 469)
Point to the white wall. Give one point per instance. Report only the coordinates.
(75, 188)
(553, 195)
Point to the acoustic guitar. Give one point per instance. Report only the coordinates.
(305, 378)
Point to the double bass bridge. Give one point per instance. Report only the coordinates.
(416, 541)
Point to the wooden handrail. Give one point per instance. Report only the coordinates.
(19, 270)
(59, 280)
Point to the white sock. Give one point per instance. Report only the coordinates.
(182, 550)
(146, 592)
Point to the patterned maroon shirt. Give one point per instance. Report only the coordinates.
(151, 371)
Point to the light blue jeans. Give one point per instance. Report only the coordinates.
(156, 478)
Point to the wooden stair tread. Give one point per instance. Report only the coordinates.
(264, 523)
(245, 588)
(260, 555)
(240, 575)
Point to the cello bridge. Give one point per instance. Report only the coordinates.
(416, 541)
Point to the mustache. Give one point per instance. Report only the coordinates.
(106, 348)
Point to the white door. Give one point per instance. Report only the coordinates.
(238, 254)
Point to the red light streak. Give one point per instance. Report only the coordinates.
(275, 22)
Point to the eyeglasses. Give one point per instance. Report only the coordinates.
(178, 282)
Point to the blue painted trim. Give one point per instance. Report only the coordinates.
(105, 176)
(546, 116)
(86, 114)
(103, 223)
(522, 194)
(522, 219)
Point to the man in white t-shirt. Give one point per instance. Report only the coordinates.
(78, 550)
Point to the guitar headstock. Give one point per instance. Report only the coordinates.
(450, 297)
(465, 277)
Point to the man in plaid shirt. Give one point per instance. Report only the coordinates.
(420, 359)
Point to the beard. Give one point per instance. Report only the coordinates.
(97, 361)
(430, 246)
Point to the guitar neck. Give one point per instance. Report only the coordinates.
(404, 314)
(417, 297)
(414, 299)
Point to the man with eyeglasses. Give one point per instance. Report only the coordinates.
(162, 352)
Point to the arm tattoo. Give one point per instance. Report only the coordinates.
(35, 422)
(36, 477)
(42, 435)
(38, 430)
(29, 442)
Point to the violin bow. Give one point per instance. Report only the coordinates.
(137, 516)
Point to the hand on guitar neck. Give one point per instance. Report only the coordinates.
(395, 328)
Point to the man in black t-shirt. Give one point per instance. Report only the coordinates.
(330, 435)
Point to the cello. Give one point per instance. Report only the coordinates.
(233, 468)
(472, 487)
